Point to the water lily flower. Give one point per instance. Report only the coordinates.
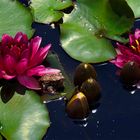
(128, 53)
(21, 59)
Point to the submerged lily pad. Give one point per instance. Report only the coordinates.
(85, 31)
(135, 5)
(24, 117)
(47, 11)
(15, 17)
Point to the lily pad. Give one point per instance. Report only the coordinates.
(85, 31)
(24, 117)
(15, 17)
(47, 11)
(135, 5)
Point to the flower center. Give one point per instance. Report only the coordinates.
(135, 46)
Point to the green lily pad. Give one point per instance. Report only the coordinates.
(114, 16)
(85, 31)
(24, 117)
(54, 62)
(0, 137)
(135, 5)
(15, 17)
(47, 11)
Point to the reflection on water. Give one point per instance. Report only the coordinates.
(133, 91)
(82, 122)
(130, 88)
(94, 111)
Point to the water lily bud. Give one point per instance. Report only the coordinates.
(91, 90)
(83, 72)
(78, 107)
(130, 73)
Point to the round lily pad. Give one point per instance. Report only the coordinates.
(15, 17)
(24, 117)
(85, 32)
(47, 11)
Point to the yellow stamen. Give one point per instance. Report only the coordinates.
(137, 42)
(133, 47)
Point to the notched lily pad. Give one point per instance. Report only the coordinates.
(47, 11)
(15, 17)
(24, 117)
(85, 31)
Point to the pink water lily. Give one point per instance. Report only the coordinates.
(21, 59)
(130, 52)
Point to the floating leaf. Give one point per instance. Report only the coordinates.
(135, 5)
(54, 61)
(24, 117)
(15, 17)
(84, 32)
(47, 11)
(0, 137)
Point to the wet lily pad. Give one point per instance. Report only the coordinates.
(0, 137)
(47, 11)
(85, 31)
(24, 117)
(135, 5)
(15, 17)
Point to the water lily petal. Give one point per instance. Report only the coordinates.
(4, 50)
(1, 74)
(118, 64)
(1, 62)
(41, 70)
(131, 39)
(9, 63)
(135, 58)
(42, 53)
(18, 37)
(22, 66)
(137, 34)
(24, 39)
(6, 76)
(25, 54)
(15, 51)
(34, 46)
(124, 50)
(6, 40)
(119, 61)
(40, 56)
(29, 82)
